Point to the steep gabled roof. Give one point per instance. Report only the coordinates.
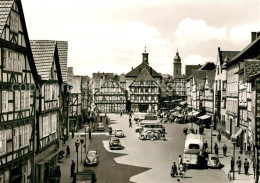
(226, 54)
(252, 67)
(190, 68)
(43, 53)
(144, 76)
(63, 58)
(208, 66)
(5, 9)
(135, 72)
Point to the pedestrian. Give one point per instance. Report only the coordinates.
(107, 121)
(130, 122)
(239, 164)
(58, 173)
(219, 136)
(178, 180)
(180, 159)
(246, 166)
(174, 170)
(206, 146)
(232, 162)
(68, 151)
(121, 113)
(72, 134)
(216, 148)
(77, 147)
(72, 168)
(224, 150)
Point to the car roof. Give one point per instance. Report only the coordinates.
(92, 151)
(100, 123)
(114, 138)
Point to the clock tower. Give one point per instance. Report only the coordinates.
(145, 56)
(177, 66)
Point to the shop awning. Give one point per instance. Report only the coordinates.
(49, 157)
(204, 117)
(237, 134)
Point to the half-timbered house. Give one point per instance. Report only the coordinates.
(17, 94)
(48, 129)
(144, 93)
(111, 97)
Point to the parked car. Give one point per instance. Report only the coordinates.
(119, 133)
(114, 143)
(100, 127)
(86, 176)
(149, 135)
(213, 161)
(91, 158)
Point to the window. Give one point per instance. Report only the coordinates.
(146, 98)
(21, 61)
(27, 99)
(26, 135)
(14, 22)
(15, 61)
(9, 63)
(45, 126)
(15, 138)
(146, 90)
(2, 142)
(17, 100)
(152, 98)
(4, 101)
(54, 123)
(22, 100)
(21, 136)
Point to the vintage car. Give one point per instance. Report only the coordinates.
(213, 161)
(100, 127)
(91, 158)
(114, 143)
(119, 133)
(149, 135)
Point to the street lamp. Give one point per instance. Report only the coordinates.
(77, 149)
(234, 141)
(85, 137)
(81, 141)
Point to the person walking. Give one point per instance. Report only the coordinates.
(58, 173)
(219, 136)
(72, 168)
(68, 151)
(174, 170)
(239, 164)
(206, 146)
(216, 148)
(72, 134)
(225, 150)
(180, 159)
(178, 181)
(246, 166)
(130, 122)
(232, 162)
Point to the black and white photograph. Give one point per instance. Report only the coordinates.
(129, 91)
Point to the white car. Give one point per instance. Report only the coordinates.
(100, 127)
(119, 133)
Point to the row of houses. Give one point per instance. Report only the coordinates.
(35, 97)
(229, 94)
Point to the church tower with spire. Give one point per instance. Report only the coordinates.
(177, 66)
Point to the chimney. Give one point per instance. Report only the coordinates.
(151, 70)
(253, 36)
(132, 68)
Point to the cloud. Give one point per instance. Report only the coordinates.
(195, 32)
(241, 33)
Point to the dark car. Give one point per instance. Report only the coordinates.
(114, 143)
(86, 176)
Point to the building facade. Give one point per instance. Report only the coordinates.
(48, 127)
(17, 94)
(144, 92)
(111, 97)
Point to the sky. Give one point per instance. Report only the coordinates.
(110, 35)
